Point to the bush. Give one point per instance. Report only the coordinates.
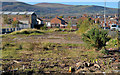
(96, 38)
(104, 51)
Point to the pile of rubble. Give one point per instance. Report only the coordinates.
(87, 67)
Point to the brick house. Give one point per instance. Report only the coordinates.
(58, 23)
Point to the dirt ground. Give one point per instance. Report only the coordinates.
(53, 38)
(54, 52)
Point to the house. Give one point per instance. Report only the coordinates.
(73, 23)
(58, 23)
(26, 19)
(39, 23)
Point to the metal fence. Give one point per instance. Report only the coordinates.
(9, 30)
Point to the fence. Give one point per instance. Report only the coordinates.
(9, 30)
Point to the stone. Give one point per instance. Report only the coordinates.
(87, 64)
(16, 61)
(79, 65)
(82, 70)
(51, 66)
(96, 65)
(63, 65)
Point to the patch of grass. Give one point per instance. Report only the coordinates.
(28, 31)
(112, 43)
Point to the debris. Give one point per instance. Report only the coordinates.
(69, 69)
(82, 70)
(16, 61)
(96, 65)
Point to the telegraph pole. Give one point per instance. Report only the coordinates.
(104, 14)
(118, 39)
(118, 32)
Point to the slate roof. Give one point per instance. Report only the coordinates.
(16, 13)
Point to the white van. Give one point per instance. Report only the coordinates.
(113, 27)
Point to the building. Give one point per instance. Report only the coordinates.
(25, 19)
(58, 23)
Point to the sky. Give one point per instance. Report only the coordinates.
(109, 3)
(69, 0)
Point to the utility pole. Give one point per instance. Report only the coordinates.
(118, 32)
(118, 39)
(104, 14)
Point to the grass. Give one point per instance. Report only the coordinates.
(112, 43)
(28, 31)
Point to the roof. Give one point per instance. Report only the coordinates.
(16, 13)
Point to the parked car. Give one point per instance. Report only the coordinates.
(115, 27)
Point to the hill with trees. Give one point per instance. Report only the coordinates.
(46, 9)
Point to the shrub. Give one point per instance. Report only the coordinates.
(96, 38)
(104, 51)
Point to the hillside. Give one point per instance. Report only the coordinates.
(49, 9)
(52, 5)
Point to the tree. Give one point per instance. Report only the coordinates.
(79, 23)
(69, 25)
(61, 17)
(15, 23)
(7, 20)
(84, 26)
(98, 22)
(43, 27)
(74, 17)
(96, 38)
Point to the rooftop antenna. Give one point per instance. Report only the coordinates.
(104, 13)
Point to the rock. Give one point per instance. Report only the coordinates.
(115, 71)
(96, 65)
(72, 69)
(63, 65)
(98, 71)
(51, 66)
(87, 64)
(42, 59)
(47, 72)
(16, 61)
(82, 70)
(92, 69)
(79, 65)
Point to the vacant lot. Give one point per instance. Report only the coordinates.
(52, 52)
